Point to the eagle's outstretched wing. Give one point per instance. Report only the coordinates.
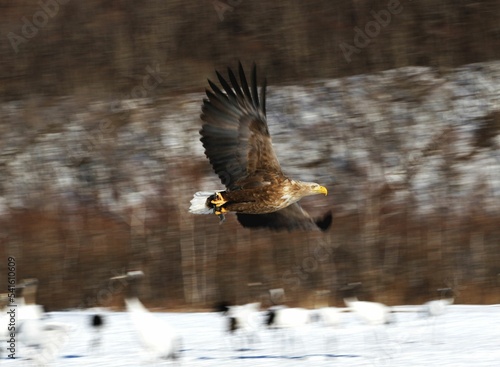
(291, 218)
(235, 133)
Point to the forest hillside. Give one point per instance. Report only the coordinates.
(393, 106)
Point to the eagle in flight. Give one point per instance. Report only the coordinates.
(237, 143)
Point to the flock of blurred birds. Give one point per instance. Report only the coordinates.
(38, 335)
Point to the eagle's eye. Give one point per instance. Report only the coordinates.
(314, 186)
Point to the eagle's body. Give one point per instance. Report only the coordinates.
(238, 145)
(270, 197)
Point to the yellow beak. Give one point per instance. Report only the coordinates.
(322, 190)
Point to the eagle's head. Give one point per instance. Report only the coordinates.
(310, 188)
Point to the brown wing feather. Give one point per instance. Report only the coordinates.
(291, 218)
(235, 133)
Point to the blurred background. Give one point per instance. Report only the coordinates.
(393, 106)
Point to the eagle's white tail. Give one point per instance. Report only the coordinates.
(199, 203)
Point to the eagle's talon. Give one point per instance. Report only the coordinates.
(220, 211)
(222, 218)
(219, 200)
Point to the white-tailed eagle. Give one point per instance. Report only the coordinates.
(237, 143)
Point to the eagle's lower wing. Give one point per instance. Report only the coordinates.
(291, 218)
(235, 133)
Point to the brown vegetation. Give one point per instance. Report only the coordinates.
(92, 56)
(102, 48)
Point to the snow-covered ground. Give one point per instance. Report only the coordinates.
(464, 336)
